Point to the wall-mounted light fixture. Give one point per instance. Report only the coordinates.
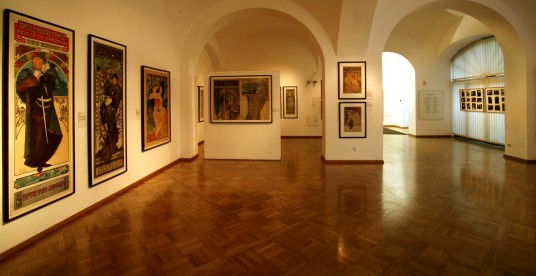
(311, 81)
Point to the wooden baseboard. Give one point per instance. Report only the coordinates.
(517, 159)
(352, 162)
(66, 221)
(430, 136)
(301, 137)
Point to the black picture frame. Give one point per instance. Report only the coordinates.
(107, 131)
(230, 96)
(352, 120)
(156, 107)
(289, 98)
(38, 150)
(352, 80)
(200, 104)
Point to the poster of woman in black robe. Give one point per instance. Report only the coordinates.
(107, 100)
(39, 158)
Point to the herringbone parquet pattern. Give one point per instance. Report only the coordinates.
(437, 206)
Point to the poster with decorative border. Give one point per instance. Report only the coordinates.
(38, 125)
(200, 104)
(290, 102)
(352, 120)
(495, 99)
(107, 132)
(241, 99)
(472, 99)
(352, 80)
(156, 107)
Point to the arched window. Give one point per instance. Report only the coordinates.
(477, 81)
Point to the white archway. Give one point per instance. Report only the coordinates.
(201, 33)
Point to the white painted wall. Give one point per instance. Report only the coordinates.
(146, 36)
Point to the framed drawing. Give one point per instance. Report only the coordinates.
(290, 102)
(353, 80)
(241, 99)
(156, 107)
(352, 120)
(107, 132)
(495, 99)
(200, 104)
(38, 99)
(472, 99)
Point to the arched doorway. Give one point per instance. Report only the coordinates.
(398, 81)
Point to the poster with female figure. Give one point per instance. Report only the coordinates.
(156, 123)
(107, 104)
(38, 95)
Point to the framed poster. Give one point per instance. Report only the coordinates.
(38, 125)
(241, 99)
(290, 102)
(107, 106)
(156, 107)
(495, 99)
(472, 99)
(352, 120)
(200, 104)
(353, 80)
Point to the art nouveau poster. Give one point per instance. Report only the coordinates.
(156, 124)
(200, 104)
(241, 99)
(107, 104)
(352, 120)
(38, 106)
(352, 80)
(290, 102)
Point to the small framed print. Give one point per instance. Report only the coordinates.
(156, 118)
(353, 80)
(290, 102)
(352, 120)
(200, 104)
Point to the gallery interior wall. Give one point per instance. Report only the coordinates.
(95, 17)
(352, 30)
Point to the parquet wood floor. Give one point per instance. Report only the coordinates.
(437, 206)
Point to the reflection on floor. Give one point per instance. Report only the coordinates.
(437, 206)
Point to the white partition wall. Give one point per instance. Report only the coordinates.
(245, 140)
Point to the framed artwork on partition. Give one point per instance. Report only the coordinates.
(241, 99)
(472, 99)
(353, 80)
(200, 104)
(352, 120)
(107, 132)
(156, 107)
(495, 99)
(38, 123)
(290, 102)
